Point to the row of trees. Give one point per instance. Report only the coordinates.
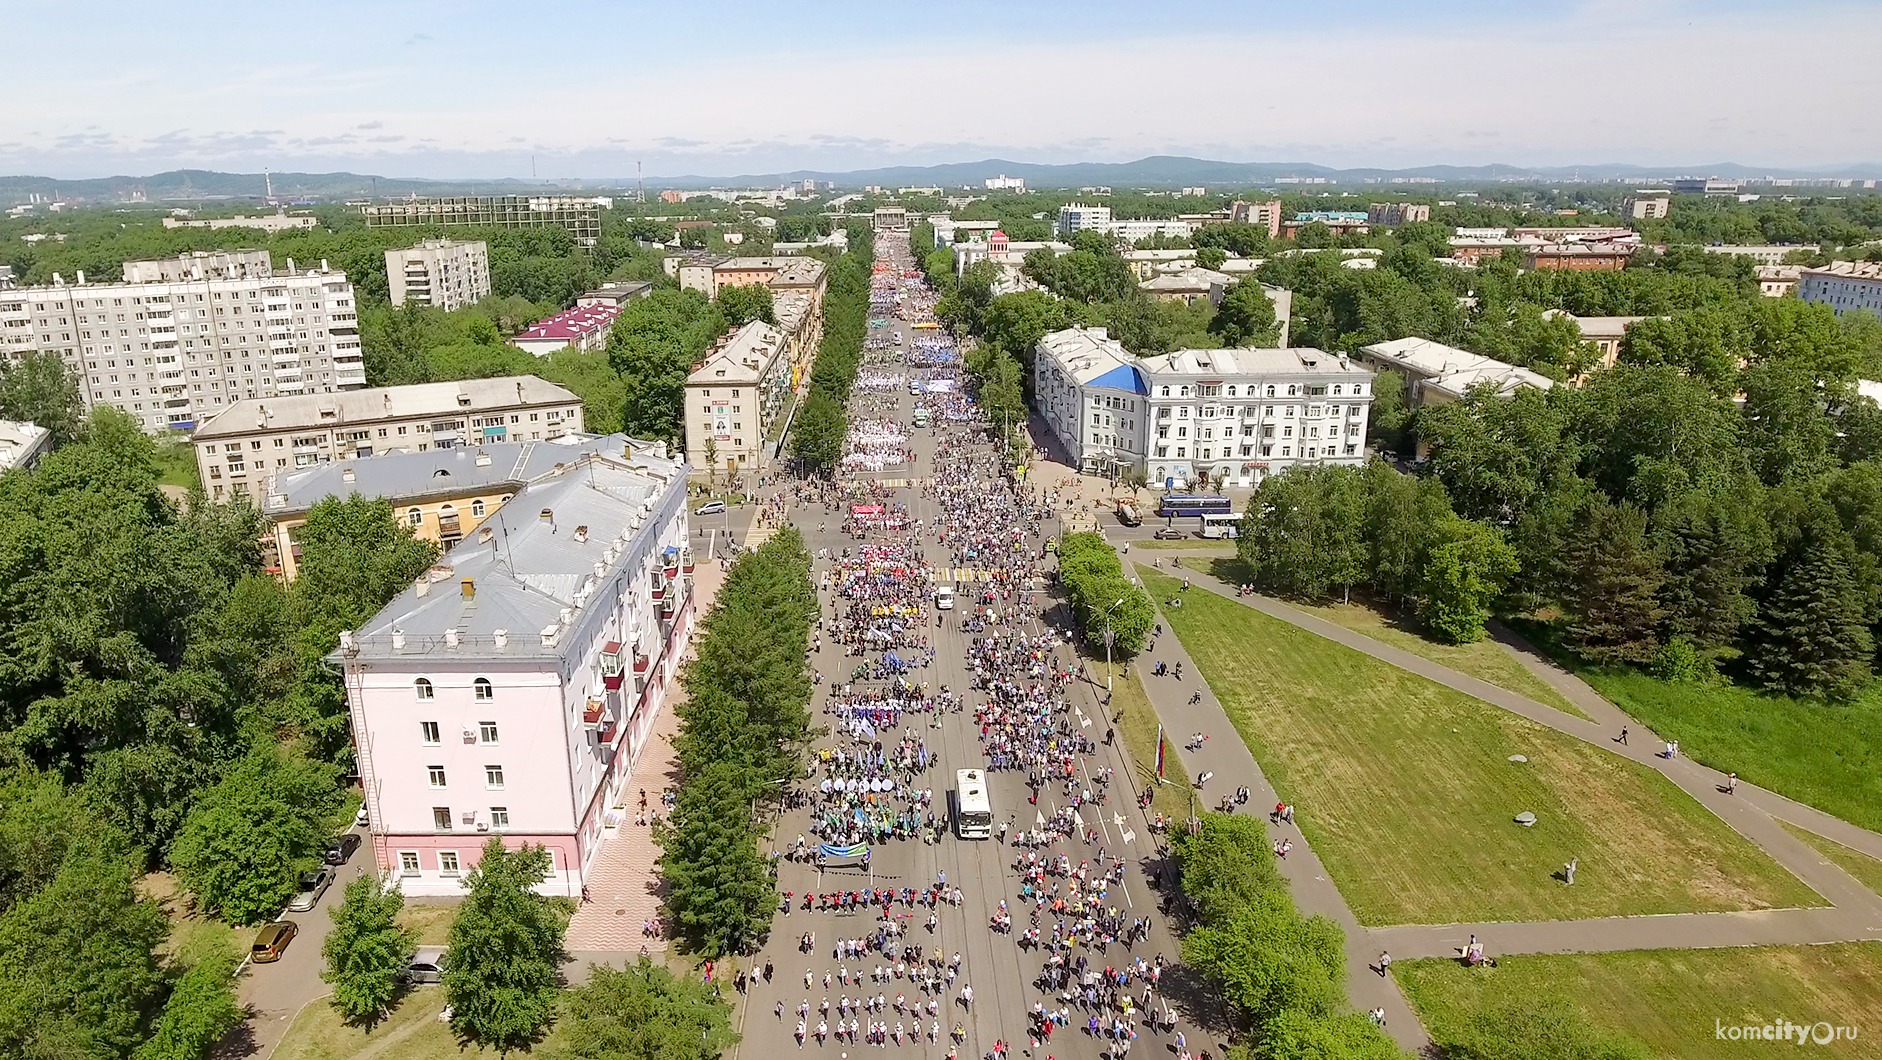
(1283, 974)
(1104, 599)
(502, 972)
(823, 423)
(743, 727)
(1316, 530)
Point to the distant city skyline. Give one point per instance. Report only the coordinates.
(582, 89)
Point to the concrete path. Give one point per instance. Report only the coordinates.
(1225, 755)
(1753, 812)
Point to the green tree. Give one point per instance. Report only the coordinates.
(719, 889)
(39, 388)
(502, 968)
(1246, 317)
(1463, 574)
(1617, 584)
(81, 960)
(1211, 257)
(249, 838)
(366, 952)
(644, 1012)
(199, 1013)
(355, 556)
(653, 346)
(817, 435)
(1810, 636)
(1713, 545)
(743, 303)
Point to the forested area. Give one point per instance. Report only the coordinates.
(743, 727)
(163, 707)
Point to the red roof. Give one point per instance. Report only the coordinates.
(572, 324)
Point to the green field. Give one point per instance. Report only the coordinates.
(1822, 755)
(1867, 870)
(1673, 1001)
(412, 1032)
(1405, 789)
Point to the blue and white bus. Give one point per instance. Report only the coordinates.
(1179, 504)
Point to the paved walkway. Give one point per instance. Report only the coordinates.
(1225, 755)
(1856, 911)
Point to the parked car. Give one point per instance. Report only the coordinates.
(427, 965)
(313, 885)
(1169, 533)
(340, 849)
(272, 940)
(710, 508)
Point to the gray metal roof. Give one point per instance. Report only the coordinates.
(268, 415)
(536, 556)
(413, 476)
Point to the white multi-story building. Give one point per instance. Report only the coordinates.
(245, 445)
(511, 690)
(1844, 286)
(1003, 182)
(1196, 416)
(1438, 374)
(1077, 217)
(179, 340)
(444, 273)
(1648, 204)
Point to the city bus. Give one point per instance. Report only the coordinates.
(1179, 504)
(973, 808)
(1215, 527)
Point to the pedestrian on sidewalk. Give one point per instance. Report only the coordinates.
(1731, 783)
(1623, 737)
(1385, 961)
(1568, 870)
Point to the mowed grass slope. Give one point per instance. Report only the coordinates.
(1866, 870)
(1405, 789)
(1673, 1001)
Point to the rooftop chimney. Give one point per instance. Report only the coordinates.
(398, 639)
(469, 588)
(501, 636)
(450, 638)
(422, 586)
(81, 277)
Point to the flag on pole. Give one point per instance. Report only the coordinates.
(1159, 752)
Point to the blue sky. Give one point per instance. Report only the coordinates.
(721, 87)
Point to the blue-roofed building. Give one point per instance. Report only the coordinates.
(1090, 391)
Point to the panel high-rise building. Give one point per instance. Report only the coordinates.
(442, 273)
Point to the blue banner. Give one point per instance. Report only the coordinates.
(832, 851)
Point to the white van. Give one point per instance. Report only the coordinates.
(944, 598)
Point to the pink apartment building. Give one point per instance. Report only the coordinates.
(511, 690)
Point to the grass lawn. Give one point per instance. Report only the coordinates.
(1405, 789)
(1484, 660)
(1137, 727)
(412, 1032)
(1670, 999)
(1226, 548)
(1823, 755)
(176, 464)
(430, 923)
(1867, 870)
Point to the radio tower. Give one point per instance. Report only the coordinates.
(640, 178)
(267, 180)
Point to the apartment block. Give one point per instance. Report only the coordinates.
(1263, 214)
(1393, 214)
(179, 340)
(1196, 416)
(579, 215)
(1844, 286)
(246, 445)
(1648, 204)
(1440, 374)
(736, 395)
(511, 690)
(441, 495)
(443, 273)
(583, 327)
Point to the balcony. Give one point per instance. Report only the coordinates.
(593, 714)
(686, 560)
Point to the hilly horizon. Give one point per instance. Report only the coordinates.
(1154, 171)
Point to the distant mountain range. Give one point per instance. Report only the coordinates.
(1158, 171)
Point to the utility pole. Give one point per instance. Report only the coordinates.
(640, 179)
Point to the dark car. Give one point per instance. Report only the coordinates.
(272, 941)
(340, 850)
(1169, 533)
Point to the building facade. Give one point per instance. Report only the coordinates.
(1437, 374)
(1647, 205)
(1844, 286)
(22, 445)
(1393, 214)
(1196, 417)
(1265, 213)
(248, 443)
(511, 690)
(443, 273)
(281, 221)
(179, 340)
(580, 216)
(735, 396)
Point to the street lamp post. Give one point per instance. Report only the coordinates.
(1108, 637)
